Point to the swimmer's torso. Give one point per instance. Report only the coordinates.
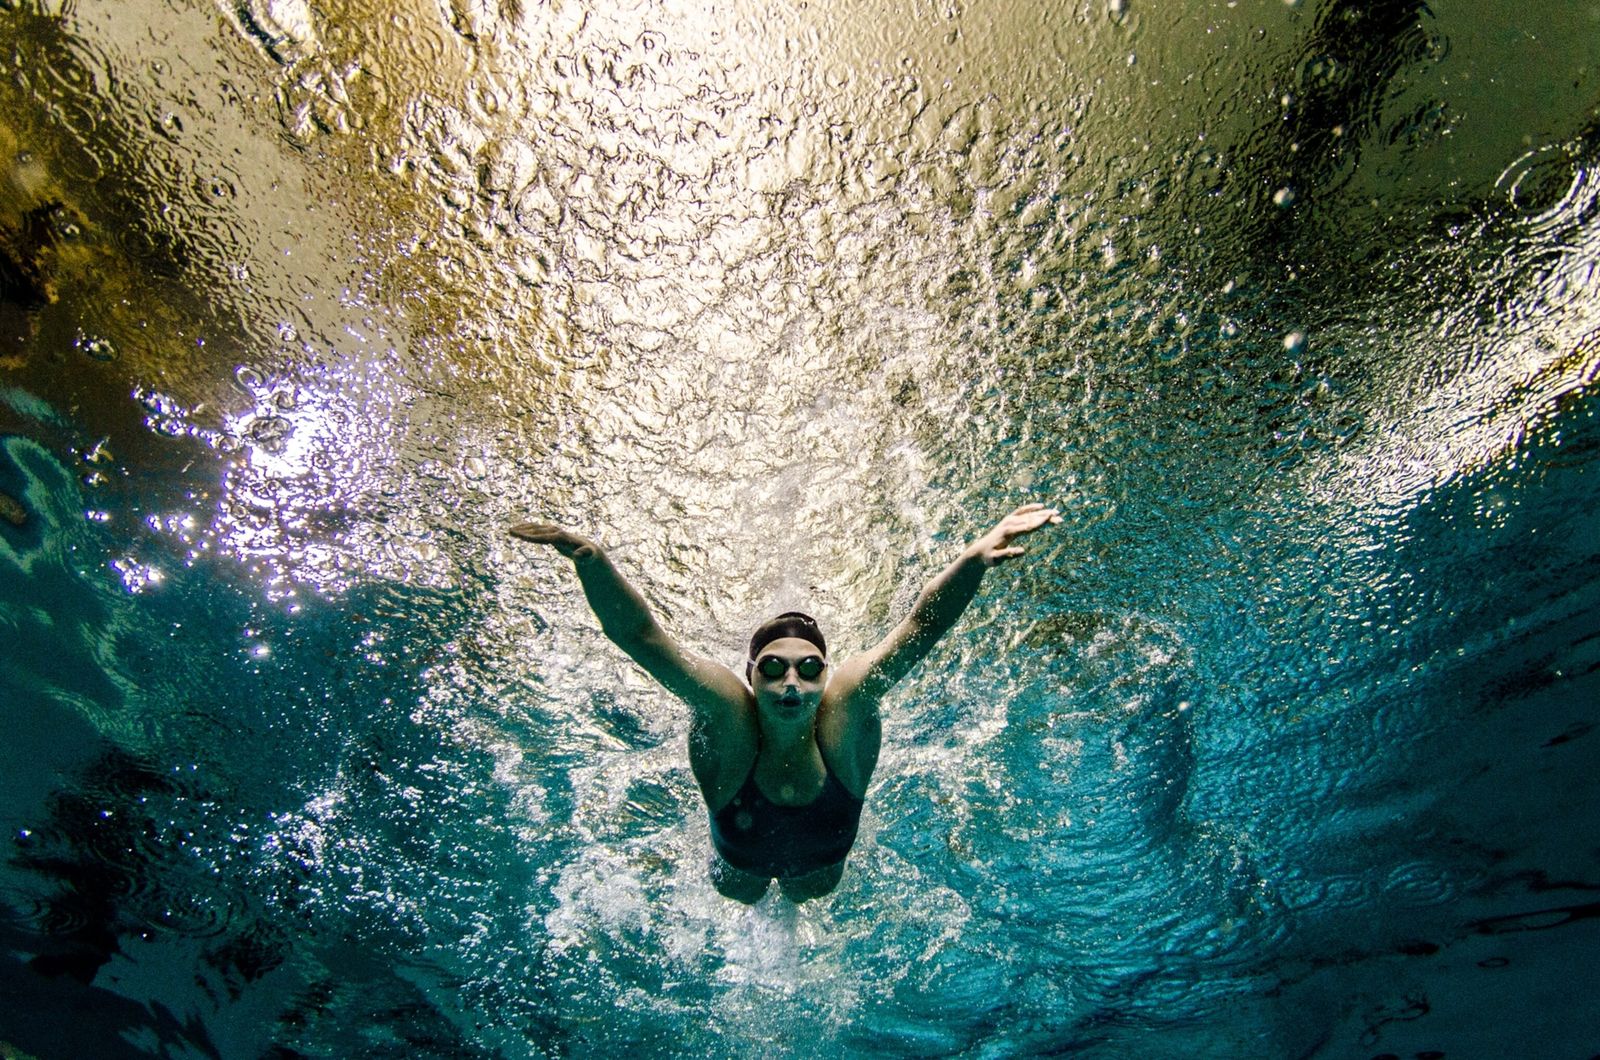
(759, 836)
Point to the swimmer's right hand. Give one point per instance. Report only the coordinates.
(565, 542)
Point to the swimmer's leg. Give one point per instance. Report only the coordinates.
(813, 884)
(737, 884)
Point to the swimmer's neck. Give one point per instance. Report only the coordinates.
(789, 748)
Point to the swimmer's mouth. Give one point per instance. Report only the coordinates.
(789, 700)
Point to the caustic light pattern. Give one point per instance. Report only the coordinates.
(1280, 745)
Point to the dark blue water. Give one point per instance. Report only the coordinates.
(1281, 745)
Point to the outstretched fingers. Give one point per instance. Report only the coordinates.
(538, 533)
(563, 541)
(1023, 520)
(1031, 517)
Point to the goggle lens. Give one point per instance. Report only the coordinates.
(809, 668)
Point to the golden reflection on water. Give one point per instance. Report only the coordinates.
(783, 304)
(726, 288)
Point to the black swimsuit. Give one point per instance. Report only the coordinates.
(758, 836)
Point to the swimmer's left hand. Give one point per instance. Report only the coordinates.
(565, 542)
(996, 546)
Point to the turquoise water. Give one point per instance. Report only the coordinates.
(1280, 746)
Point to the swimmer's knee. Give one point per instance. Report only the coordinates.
(748, 893)
(737, 884)
(813, 884)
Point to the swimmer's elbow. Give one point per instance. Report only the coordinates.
(633, 636)
(646, 644)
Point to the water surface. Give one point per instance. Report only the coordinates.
(1279, 746)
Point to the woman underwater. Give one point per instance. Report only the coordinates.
(783, 756)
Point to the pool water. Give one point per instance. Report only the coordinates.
(1281, 745)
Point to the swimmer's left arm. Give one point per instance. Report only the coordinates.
(866, 677)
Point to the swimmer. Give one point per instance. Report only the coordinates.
(783, 755)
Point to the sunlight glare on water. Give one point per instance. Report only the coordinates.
(1291, 308)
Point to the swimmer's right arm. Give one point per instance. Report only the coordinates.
(624, 616)
(626, 621)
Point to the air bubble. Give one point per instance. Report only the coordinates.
(271, 430)
(1295, 341)
(1283, 198)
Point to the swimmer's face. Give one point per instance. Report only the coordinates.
(789, 694)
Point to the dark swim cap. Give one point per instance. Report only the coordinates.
(789, 624)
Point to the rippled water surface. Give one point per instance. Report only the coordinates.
(1280, 746)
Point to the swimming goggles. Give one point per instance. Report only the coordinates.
(809, 668)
